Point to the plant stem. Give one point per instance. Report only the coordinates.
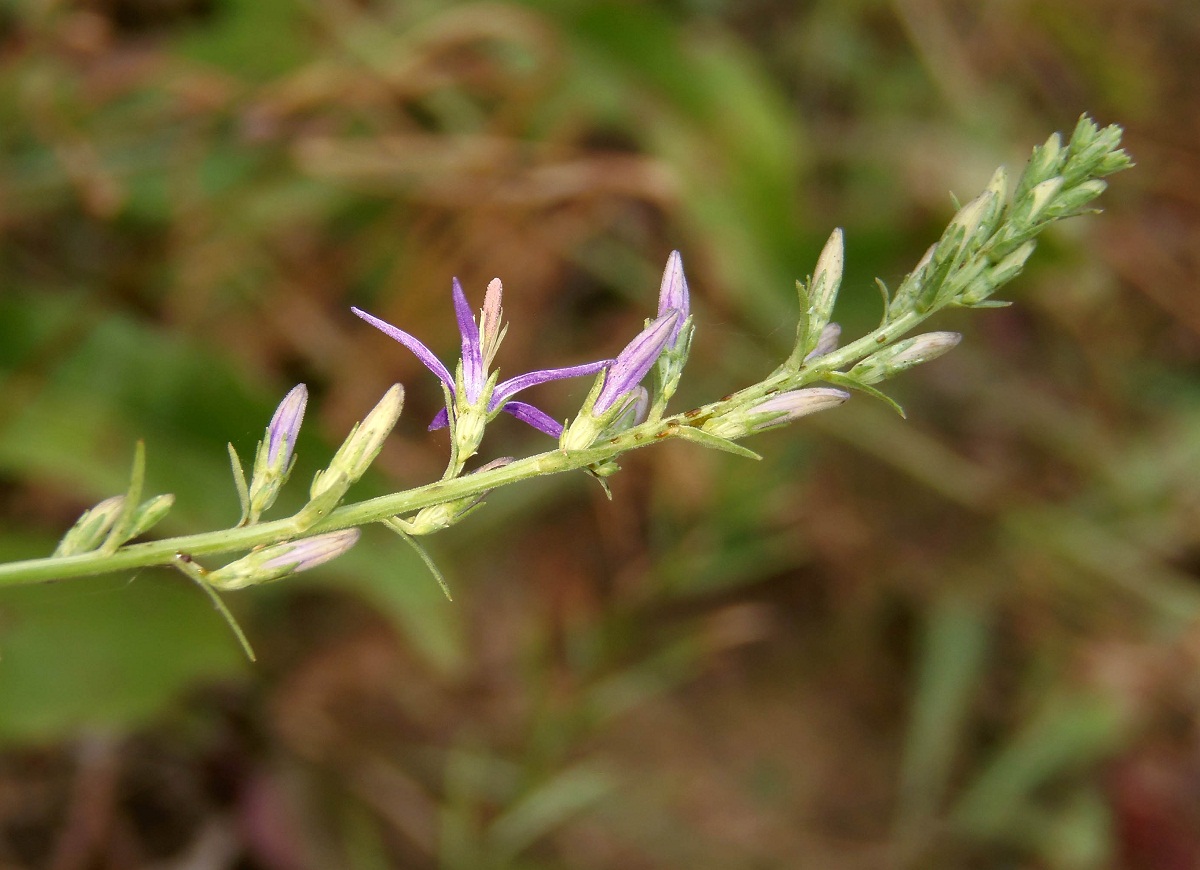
(242, 538)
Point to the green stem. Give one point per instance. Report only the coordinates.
(163, 552)
(242, 538)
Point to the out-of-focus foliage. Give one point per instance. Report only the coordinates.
(965, 639)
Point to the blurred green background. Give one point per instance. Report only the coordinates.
(969, 639)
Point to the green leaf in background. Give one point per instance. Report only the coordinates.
(106, 654)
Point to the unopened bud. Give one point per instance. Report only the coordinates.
(1072, 200)
(971, 217)
(827, 342)
(148, 513)
(826, 280)
(1012, 264)
(904, 355)
(282, 560)
(1031, 211)
(1045, 163)
(778, 410)
(274, 460)
(92, 527)
(361, 446)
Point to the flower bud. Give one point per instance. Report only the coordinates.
(904, 355)
(1030, 211)
(273, 462)
(827, 342)
(92, 527)
(1073, 199)
(673, 295)
(1045, 163)
(282, 560)
(361, 446)
(826, 280)
(148, 513)
(1011, 265)
(778, 410)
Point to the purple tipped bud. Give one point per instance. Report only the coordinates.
(673, 295)
(798, 403)
(282, 560)
(631, 364)
(827, 342)
(273, 462)
(311, 552)
(776, 411)
(635, 409)
(285, 425)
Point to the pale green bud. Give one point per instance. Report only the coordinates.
(904, 355)
(970, 218)
(826, 281)
(92, 527)
(148, 513)
(1072, 200)
(1045, 163)
(1030, 211)
(361, 447)
(1011, 265)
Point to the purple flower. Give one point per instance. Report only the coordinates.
(631, 364)
(477, 352)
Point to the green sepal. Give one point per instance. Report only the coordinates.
(239, 482)
(122, 529)
(394, 524)
(984, 303)
(841, 379)
(194, 572)
(707, 439)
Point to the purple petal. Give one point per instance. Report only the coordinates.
(440, 421)
(472, 352)
(673, 294)
(534, 417)
(514, 385)
(635, 360)
(424, 354)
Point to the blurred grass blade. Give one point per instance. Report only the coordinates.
(952, 657)
(545, 808)
(1069, 733)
